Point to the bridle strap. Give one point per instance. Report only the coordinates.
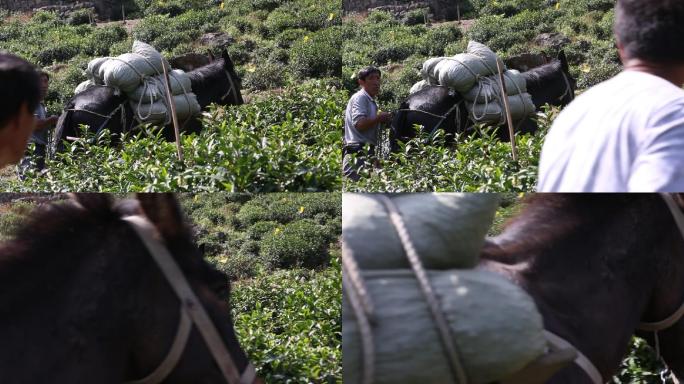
(189, 301)
(179, 342)
(581, 360)
(678, 217)
(231, 89)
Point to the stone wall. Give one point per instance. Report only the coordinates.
(441, 9)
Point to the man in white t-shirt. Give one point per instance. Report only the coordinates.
(626, 134)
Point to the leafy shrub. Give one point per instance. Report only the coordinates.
(416, 16)
(266, 75)
(81, 16)
(289, 322)
(317, 55)
(257, 230)
(301, 243)
(57, 53)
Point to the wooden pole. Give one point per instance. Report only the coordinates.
(123, 13)
(174, 118)
(507, 107)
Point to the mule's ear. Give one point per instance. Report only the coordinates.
(211, 56)
(564, 61)
(92, 201)
(228, 62)
(163, 211)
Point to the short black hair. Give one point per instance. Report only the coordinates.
(651, 29)
(20, 83)
(367, 72)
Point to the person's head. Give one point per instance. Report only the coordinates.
(44, 83)
(650, 30)
(20, 83)
(369, 80)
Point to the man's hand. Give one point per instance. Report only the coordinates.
(384, 117)
(366, 123)
(45, 123)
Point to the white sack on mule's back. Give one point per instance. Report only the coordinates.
(489, 88)
(495, 325)
(493, 112)
(461, 71)
(447, 229)
(128, 71)
(154, 88)
(157, 113)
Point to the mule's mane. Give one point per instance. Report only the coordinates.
(31, 260)
(577, 221)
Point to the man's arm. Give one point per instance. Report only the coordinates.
(366, 123)
(45, 123)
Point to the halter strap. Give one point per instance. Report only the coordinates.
(581, 360)
(678, 217)
(179, 342)
(231, 89)
(189, 302)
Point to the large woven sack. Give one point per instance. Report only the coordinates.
(93, 70)
(153, 88)
(83, 86)
(157, 113)
(128, 71)
(462, 71)
(428, 70)
(419, 86)
(447, 229)
(493, 111)
(496, 328)
(489, 88)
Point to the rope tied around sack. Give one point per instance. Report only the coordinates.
(441, 324)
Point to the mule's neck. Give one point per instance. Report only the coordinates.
(590, 263)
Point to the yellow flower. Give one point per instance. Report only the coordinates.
(585, 68)
(558, 5)
(306, 38)
(521, 195)
(331, 16)
(301, 209)
(223, 260)
(251, 68)
(276, 231)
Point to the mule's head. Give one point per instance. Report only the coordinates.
(570, 81)
(157, 309)
(217, 83)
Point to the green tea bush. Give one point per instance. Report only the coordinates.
(301, 243)
(284, 142)
(81, 16)
(416, 16)
(289, 323)
(317, 55)
(257, 230)
(266, 75)
(311, 15)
